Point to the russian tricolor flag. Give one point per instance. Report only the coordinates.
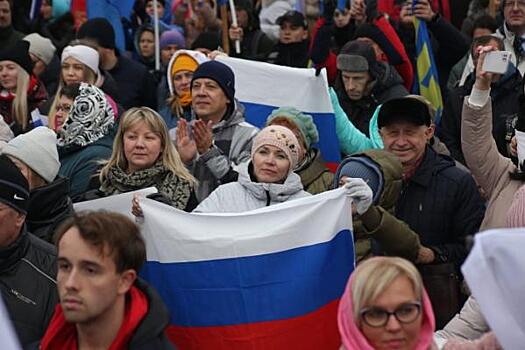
(262, 87)
(265, 279)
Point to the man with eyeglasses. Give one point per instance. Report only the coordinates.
(513, 30)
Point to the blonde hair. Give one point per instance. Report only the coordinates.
(90, 77)
(374, 275)
(170, 157)
(19, 106)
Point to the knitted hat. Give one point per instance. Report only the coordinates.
(172, 37)
(83, 54)
(357, 56)
(364, 168)
(199, 57)
(41, 47)
(184, 62)
(100, 30)
(304, 122)
(220, 73)
(37, 149)
(18, 53)
(280, 137)
(408, 108)
(14, 189)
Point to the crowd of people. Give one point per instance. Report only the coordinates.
(81, 119)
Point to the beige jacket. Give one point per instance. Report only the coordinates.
(490, 169)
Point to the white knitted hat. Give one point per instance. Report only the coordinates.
(83, 54)
(41, 47)
(38, 150)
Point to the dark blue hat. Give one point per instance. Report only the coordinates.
(364, 168)
(220, 73)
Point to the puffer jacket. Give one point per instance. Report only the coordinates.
(378, 231)
(246, 195)
(315, 176)
(232, 145)
(441, 202)
(469, 324)
(490, 169)
(388, 85)
(28, 286)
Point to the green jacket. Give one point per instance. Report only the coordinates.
(315, 176)
(378, 231)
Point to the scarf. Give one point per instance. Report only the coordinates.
(91, 118)
(173, 188)
(63, 335)
(185, 98)
(351, 335)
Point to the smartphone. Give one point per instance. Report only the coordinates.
(497, 62)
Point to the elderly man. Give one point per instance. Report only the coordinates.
(27, 264)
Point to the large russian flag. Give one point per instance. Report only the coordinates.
(262, 87)
(265, 279)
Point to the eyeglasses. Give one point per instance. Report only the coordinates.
(63, 108)
(511, 3)
(377, 317)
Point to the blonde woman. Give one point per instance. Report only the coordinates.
(21, 93)
(385, 306)
(144, 156)
(80, 64)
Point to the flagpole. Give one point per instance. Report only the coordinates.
(224, 24)
(235, 24)
(157, 43)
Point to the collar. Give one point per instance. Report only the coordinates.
(11, 255)
(422, 174)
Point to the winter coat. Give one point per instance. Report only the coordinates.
(232, 145)
(388, 85)
(290, 55)
(504, 96)
(255, 45)
(469, 324)
(138, 91)
(35, 98)
(80, 164)
(245, 195)
(149, 62)
(377, 231)
(315, 176)
(28, 286)
(490, 169)
(49, 206)
(441, 202)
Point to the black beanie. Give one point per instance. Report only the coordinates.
(18, 53)
(14, 189)
(98, 29)
(220, 73)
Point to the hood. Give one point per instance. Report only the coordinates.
(386, 77)
(234, 117)
(136, 40)
(277, 192)
(197, 56)
(156, 320)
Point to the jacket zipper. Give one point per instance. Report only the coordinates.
(268, 199)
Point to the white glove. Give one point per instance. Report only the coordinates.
(360, 192)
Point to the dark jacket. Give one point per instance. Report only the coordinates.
(315, 176)
(135, 83)
(9, 36)
(291, 55)
(27, 285)
(150, 334)
(255, 45)
(388, 85)
(504, 96)
(441, 202)
(48, 207)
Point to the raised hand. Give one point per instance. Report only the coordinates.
(203, 135)
(185, 145)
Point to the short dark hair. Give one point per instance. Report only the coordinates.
(70, 91)
(484, 40)
(112, 230)
(485, 22)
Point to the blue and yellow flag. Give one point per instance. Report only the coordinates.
(427, 83)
